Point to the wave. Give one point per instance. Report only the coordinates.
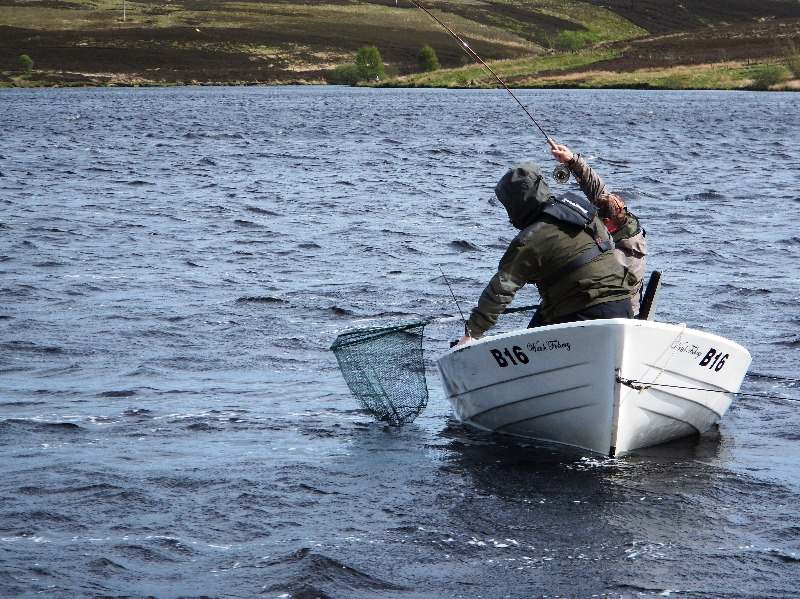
(436, 151)
(51, 490)
(141, 553)
(104, 566)
(707, 195)
(37, 426)
(247, 223)
(138, 413)
(463, 245)
(119, 393)
(48, 264)
(789, 342)
(136, 183)
(260, 299)
(264, 211)
(308, 574)
(27, 346)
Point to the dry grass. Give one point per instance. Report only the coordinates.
(729, 75)
(511, 71)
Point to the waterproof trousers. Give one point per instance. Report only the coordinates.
(617, 309)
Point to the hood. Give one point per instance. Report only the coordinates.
(524, 193)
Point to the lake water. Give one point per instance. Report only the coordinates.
(176, 262)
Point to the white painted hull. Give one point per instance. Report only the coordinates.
(560, 383)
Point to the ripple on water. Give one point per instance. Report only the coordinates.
(307, 573)
(214, 242)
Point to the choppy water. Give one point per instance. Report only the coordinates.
(176, 262)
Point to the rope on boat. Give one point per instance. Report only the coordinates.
(642, 385)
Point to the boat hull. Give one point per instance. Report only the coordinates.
(566, 383)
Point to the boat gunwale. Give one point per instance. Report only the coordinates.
(603, 322)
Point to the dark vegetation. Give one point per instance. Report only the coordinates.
(742, 41)
(367, 66)
(26, 62)
(669, 16)
(768, 76)
(427, 59)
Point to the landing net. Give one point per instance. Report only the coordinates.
(384, 368)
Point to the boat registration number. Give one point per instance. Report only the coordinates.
(513, 357)
(714, 360)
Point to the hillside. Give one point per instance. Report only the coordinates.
(540, 42)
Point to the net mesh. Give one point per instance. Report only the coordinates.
(384, 368)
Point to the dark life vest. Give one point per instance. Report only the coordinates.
(576, 211)
(526, 196)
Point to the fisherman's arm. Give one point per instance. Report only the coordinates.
(590, 182)
(499, 293)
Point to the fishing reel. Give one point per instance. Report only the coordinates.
(561, 174)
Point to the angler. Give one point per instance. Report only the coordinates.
(563, 248)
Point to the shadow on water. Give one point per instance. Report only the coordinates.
(585, 522)
(487, 454)
(623, 526)
(446, 512)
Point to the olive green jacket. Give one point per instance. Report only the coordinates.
(535, 254)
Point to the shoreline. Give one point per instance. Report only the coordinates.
(529, 73)
(790, 86)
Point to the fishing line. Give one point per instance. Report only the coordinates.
(561, 173)
(641, 386)
(473, 54)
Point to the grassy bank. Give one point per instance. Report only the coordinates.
(570, 71)
(514, 72)
(720, 76)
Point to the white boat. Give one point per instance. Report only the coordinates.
(609, 386)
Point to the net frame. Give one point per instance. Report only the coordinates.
(384, 368)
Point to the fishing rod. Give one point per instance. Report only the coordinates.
(561, 173)
(444, 276)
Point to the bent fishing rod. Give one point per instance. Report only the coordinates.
(561, 173)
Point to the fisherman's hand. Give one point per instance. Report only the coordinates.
(464, 340)
(562, 153)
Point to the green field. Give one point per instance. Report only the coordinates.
(716, 76)
(567, 71)
(513, 72)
